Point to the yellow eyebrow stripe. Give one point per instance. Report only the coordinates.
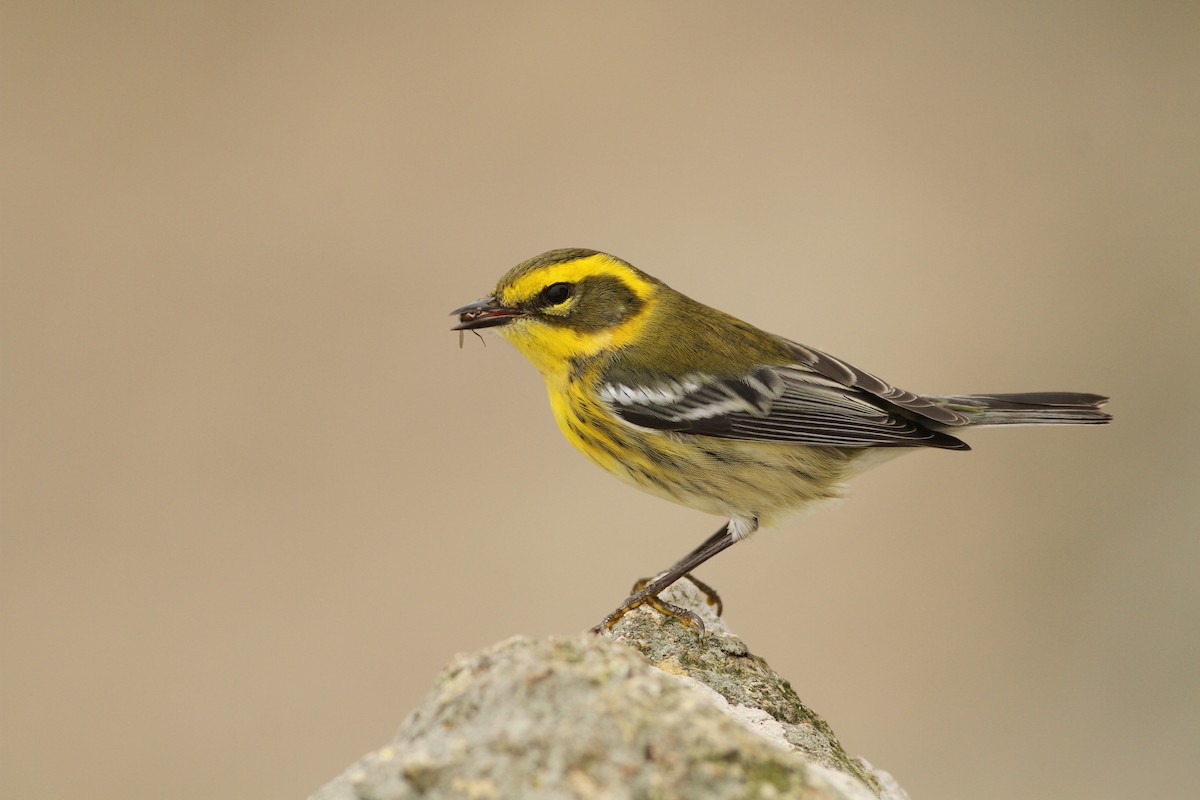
(575, 271)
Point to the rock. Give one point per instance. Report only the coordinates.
(651, 710)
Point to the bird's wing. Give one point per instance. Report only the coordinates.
(817, 400)
(845, 375)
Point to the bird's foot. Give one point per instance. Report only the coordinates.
(643, 597)
(710, 594)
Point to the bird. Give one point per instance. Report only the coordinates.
(693, 405)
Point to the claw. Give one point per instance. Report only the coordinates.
(646, 592)
(710, 594)
(689, 618)
(643, 598)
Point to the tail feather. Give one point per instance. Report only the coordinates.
(1029, 408)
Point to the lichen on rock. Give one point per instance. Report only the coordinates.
(650, 710)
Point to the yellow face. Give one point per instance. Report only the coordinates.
(566, 305)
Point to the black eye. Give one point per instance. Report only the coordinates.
(557, 293)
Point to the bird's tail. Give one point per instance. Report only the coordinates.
(1029, 408)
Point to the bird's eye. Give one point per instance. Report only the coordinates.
(557, 293)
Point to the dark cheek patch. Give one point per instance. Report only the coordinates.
(601, 302)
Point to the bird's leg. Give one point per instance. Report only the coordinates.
(705, 589)
(710, 594)
(643, 582)
(672, 610)
(648, 593)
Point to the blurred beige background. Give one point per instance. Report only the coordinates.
(254, 495)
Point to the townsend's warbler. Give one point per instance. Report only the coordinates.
(691, 404)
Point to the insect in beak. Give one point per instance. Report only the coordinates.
(485, 313)
(477, 333)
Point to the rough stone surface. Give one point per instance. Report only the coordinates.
(649, 711)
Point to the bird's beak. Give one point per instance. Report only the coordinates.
(486, 313)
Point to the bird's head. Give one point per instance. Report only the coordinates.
(564, 306)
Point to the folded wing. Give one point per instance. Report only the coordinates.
(817, 400)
